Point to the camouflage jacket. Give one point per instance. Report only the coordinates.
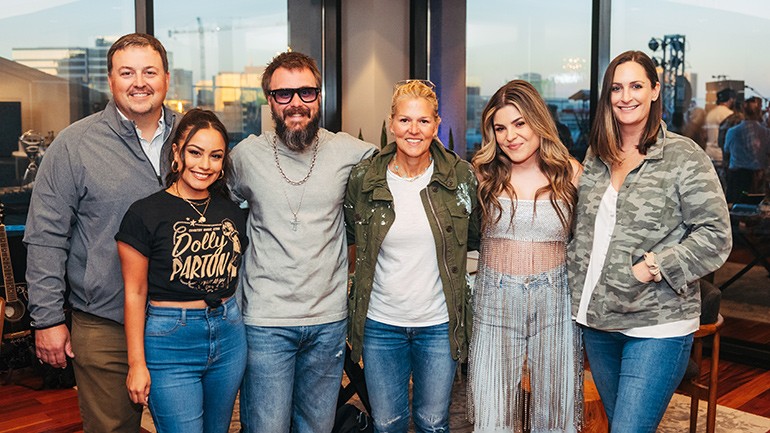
(450, 203)
(671, 204)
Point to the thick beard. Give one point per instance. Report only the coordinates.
(296, 140)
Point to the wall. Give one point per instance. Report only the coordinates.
(45, 99)
(448, 68)
(375, 54)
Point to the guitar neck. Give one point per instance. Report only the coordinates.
(5, 258)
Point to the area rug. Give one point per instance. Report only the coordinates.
(676, 419)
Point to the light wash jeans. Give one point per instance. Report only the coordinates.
(635, 377)
(293, 378)
(393, 354)
(196, 359)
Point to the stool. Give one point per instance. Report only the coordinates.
(697, 388)
(711, 324)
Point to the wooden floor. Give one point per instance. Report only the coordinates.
(23, 410)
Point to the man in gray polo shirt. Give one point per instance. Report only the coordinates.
(294, 277)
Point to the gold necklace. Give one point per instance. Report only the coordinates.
(202, 215)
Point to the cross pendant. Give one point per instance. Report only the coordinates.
(295, 223)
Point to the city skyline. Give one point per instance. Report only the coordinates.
(502, 42)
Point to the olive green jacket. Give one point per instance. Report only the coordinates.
(450, 203)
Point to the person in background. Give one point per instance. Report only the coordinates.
(693, 127)
(295, 271)
(565, 136)
(91, 173)
(723, 109)
(408, 210)
(180, 249)
(746, 152)
(651, 219)
(523, 329)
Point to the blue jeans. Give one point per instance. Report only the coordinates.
(293, 378)
(393, 354)
(635, 377)
(196, 359)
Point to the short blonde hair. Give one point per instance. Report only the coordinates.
(414, 89)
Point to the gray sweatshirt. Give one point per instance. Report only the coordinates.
(295, 277)
(92, 172)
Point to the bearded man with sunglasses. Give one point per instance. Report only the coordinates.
(294, 276)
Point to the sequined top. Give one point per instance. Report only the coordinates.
(537, 234)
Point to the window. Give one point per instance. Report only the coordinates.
(217, 53)
(707, 47)
(547, 43)
(52, 73)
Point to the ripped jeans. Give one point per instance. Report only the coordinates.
(293, 376)
(393, 355)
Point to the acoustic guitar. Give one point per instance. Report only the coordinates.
(17, 320)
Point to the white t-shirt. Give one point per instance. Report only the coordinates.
(407, 289)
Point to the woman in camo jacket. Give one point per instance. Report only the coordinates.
(651, 219)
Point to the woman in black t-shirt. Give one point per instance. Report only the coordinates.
(181, 249)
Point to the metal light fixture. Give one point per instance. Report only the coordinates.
(670, 62)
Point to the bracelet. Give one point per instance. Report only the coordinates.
(652, 263)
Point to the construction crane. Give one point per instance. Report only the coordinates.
(201, 31)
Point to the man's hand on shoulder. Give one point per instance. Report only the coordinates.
(53, 345)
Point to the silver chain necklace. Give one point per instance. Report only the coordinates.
(396, 169)
(278, 164)
(294, 222)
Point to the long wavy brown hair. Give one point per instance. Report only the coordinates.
(493, 167)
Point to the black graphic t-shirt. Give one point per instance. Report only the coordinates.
(188, 258)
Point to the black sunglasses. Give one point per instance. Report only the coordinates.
(306, 94)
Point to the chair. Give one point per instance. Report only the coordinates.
(711, 324)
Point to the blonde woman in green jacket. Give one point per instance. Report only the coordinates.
(408, 211)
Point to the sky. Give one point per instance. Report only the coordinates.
(506, 38)
(546, 36)
(237, 33)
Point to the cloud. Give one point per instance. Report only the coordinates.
(12, 8)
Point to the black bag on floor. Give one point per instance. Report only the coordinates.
(350, 419)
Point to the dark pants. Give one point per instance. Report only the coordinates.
(101, 366)
(738, 181)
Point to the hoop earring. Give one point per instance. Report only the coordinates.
(221, 175)
(174, 166)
